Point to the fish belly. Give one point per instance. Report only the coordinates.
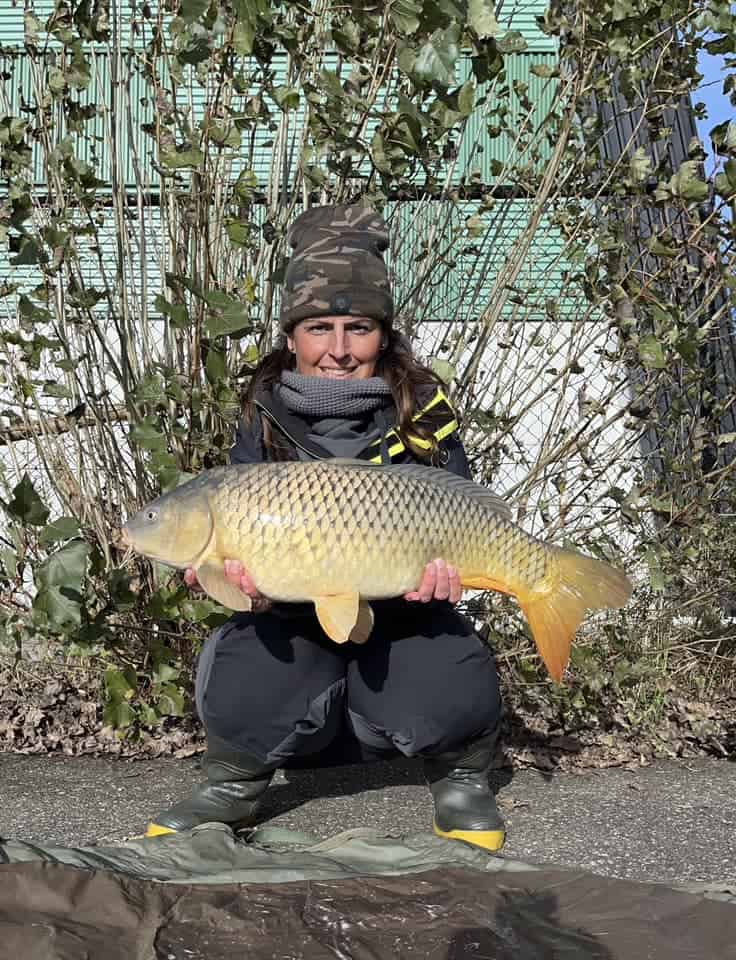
(295, 563)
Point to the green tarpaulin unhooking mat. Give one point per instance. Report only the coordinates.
(209, 895)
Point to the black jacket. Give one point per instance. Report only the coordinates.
(250, 447)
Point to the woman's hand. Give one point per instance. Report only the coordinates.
(439, 582)
(238, 577)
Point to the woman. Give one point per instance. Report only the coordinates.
(271, 689)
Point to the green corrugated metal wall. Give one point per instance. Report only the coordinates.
(460, 289)
(520, 16)
(463, 285)
(476, 151)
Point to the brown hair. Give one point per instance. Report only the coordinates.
(397, 365)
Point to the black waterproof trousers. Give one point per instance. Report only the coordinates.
(276, 687)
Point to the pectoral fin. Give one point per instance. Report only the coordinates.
(344, 617)
(213, 581)
(364, 625)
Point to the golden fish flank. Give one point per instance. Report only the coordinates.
(340, 533)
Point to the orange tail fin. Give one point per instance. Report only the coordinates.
(554, 613)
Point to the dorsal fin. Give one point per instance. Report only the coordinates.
(492, 501)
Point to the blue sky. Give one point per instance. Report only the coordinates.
(710, 93)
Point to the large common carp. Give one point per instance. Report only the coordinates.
(342, 532)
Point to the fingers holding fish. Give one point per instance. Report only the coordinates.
(456, 587)
(439, 582)
(190, 579)
(239, 577)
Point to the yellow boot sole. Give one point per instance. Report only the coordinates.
(154, 830)
(487, 839)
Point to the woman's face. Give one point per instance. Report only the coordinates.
(337, 347)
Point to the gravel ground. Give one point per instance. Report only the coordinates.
(669, 822)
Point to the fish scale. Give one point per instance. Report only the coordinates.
(363, 515)
(341, 533)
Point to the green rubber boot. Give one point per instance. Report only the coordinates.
(235, 783)
(464, 805)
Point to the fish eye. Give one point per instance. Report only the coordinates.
(151, 515)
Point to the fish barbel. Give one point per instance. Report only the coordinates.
(340, 533)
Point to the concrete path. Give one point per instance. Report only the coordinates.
(670, 822)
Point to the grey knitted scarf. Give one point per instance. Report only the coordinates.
(343, 416)
(324, 397)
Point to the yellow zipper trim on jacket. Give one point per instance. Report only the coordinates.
(444, 431)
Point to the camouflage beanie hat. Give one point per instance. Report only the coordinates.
(336, 266)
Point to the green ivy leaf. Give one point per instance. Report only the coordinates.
(512, 42)
(118, 714)
(228, 315)
(177, 313)
(651, 353)
(246, 186)
(239, 233)
(287, 98)
(404, 14)
(475, 226)
(165, 469)
(148, 435)
(244, 37)
(187, 157)
(435, 62)
(60, 607)
(65, 567)
(58, 599)
(120, 684)
(165, 673)
(662, 249)
(26, 505)
(150, 389)
(65, 528)
(31, 27)
(56, 81)
(170, 702)
(191, 10)
(687, 184)
(9, 562)
(346, 34)
(225, 136)
(120, 687)
(32, 314)
(544, 70)
(216, 364)
(482, 18)
(30, 252)
(726, 181)
(57, 390)
(688, 347)
(723, 136)
(466, 98)
(640, 166)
